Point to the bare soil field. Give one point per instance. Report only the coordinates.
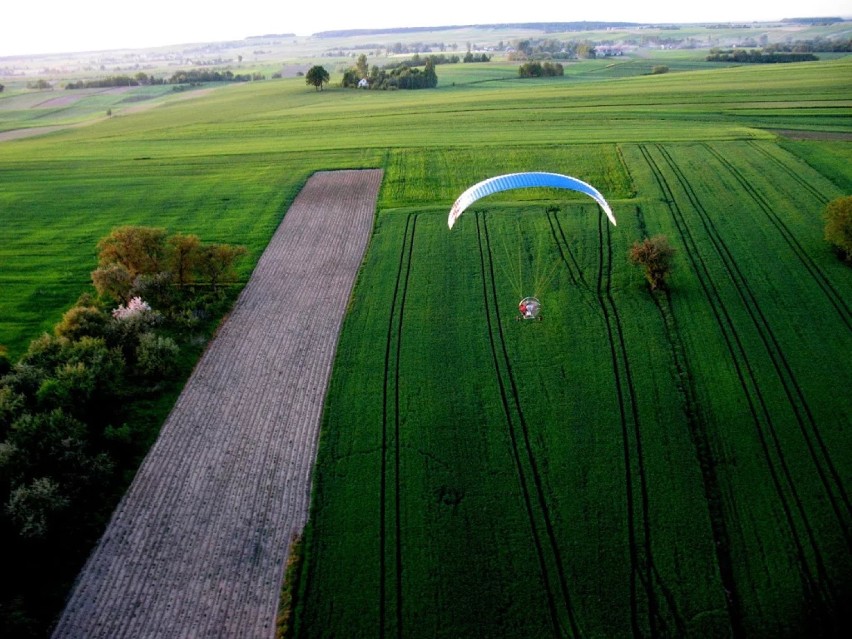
(815, 135)
(198, 545)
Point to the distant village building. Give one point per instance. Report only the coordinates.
(363, 84)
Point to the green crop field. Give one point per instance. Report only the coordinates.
(667, 465)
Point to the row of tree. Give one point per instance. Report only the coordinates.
(193, 76)
(548, 48)
(401, 75)
(540, 70)
(823, 45)
(758, 57)
(72, 423)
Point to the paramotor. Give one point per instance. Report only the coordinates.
(531, 179)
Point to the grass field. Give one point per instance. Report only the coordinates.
(668, 465)
(207, 165)
(675, 465)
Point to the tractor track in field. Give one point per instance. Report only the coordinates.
(837, 301)
(198, 545)
(390, 404)
(547, 549)
(792, 388)
(706, 461)
(575, 273)
(798, 179)
(834, 298)
(751, 389)
(642, 569)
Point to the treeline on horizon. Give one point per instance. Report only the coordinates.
(178, 77)
(798, 51)
(759, 57)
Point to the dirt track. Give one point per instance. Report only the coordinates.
(198, 544)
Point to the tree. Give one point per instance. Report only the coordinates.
(113, 281)
(838, 226)
(82, 321)
(362, 67)
(429, 75)
(33, 506)
(156, 356)
(217, 262)
(654, 254)
(317, 76)
(140, 249)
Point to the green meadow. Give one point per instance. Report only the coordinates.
(674, 464)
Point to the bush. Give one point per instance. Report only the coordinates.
(655, 255)
(660, 68)
(156, 356)
(32, 506)
(82, 321)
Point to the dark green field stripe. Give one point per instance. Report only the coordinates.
(745, 373)
(397, 491)
(784, 371)
(826, 461)
(536, 475)
(706, 462)
(734, 346)
(491, 308)
(831, 293)
(392, 370)
(628, 469)
(645, 571)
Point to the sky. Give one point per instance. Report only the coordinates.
(54, 26)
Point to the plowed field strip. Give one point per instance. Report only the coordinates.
(391, 404)
(746, 375)
(198, 545)
(546, 546)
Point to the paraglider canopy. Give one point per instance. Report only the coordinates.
(530, 308)
(530, 179)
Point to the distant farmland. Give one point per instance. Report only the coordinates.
(633, 465)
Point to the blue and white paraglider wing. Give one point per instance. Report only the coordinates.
(524, 181)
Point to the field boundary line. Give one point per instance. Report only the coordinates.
(198, 545)
(392, 362)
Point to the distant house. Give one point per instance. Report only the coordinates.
(363, 84)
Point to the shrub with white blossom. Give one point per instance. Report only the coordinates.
(135, 307)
